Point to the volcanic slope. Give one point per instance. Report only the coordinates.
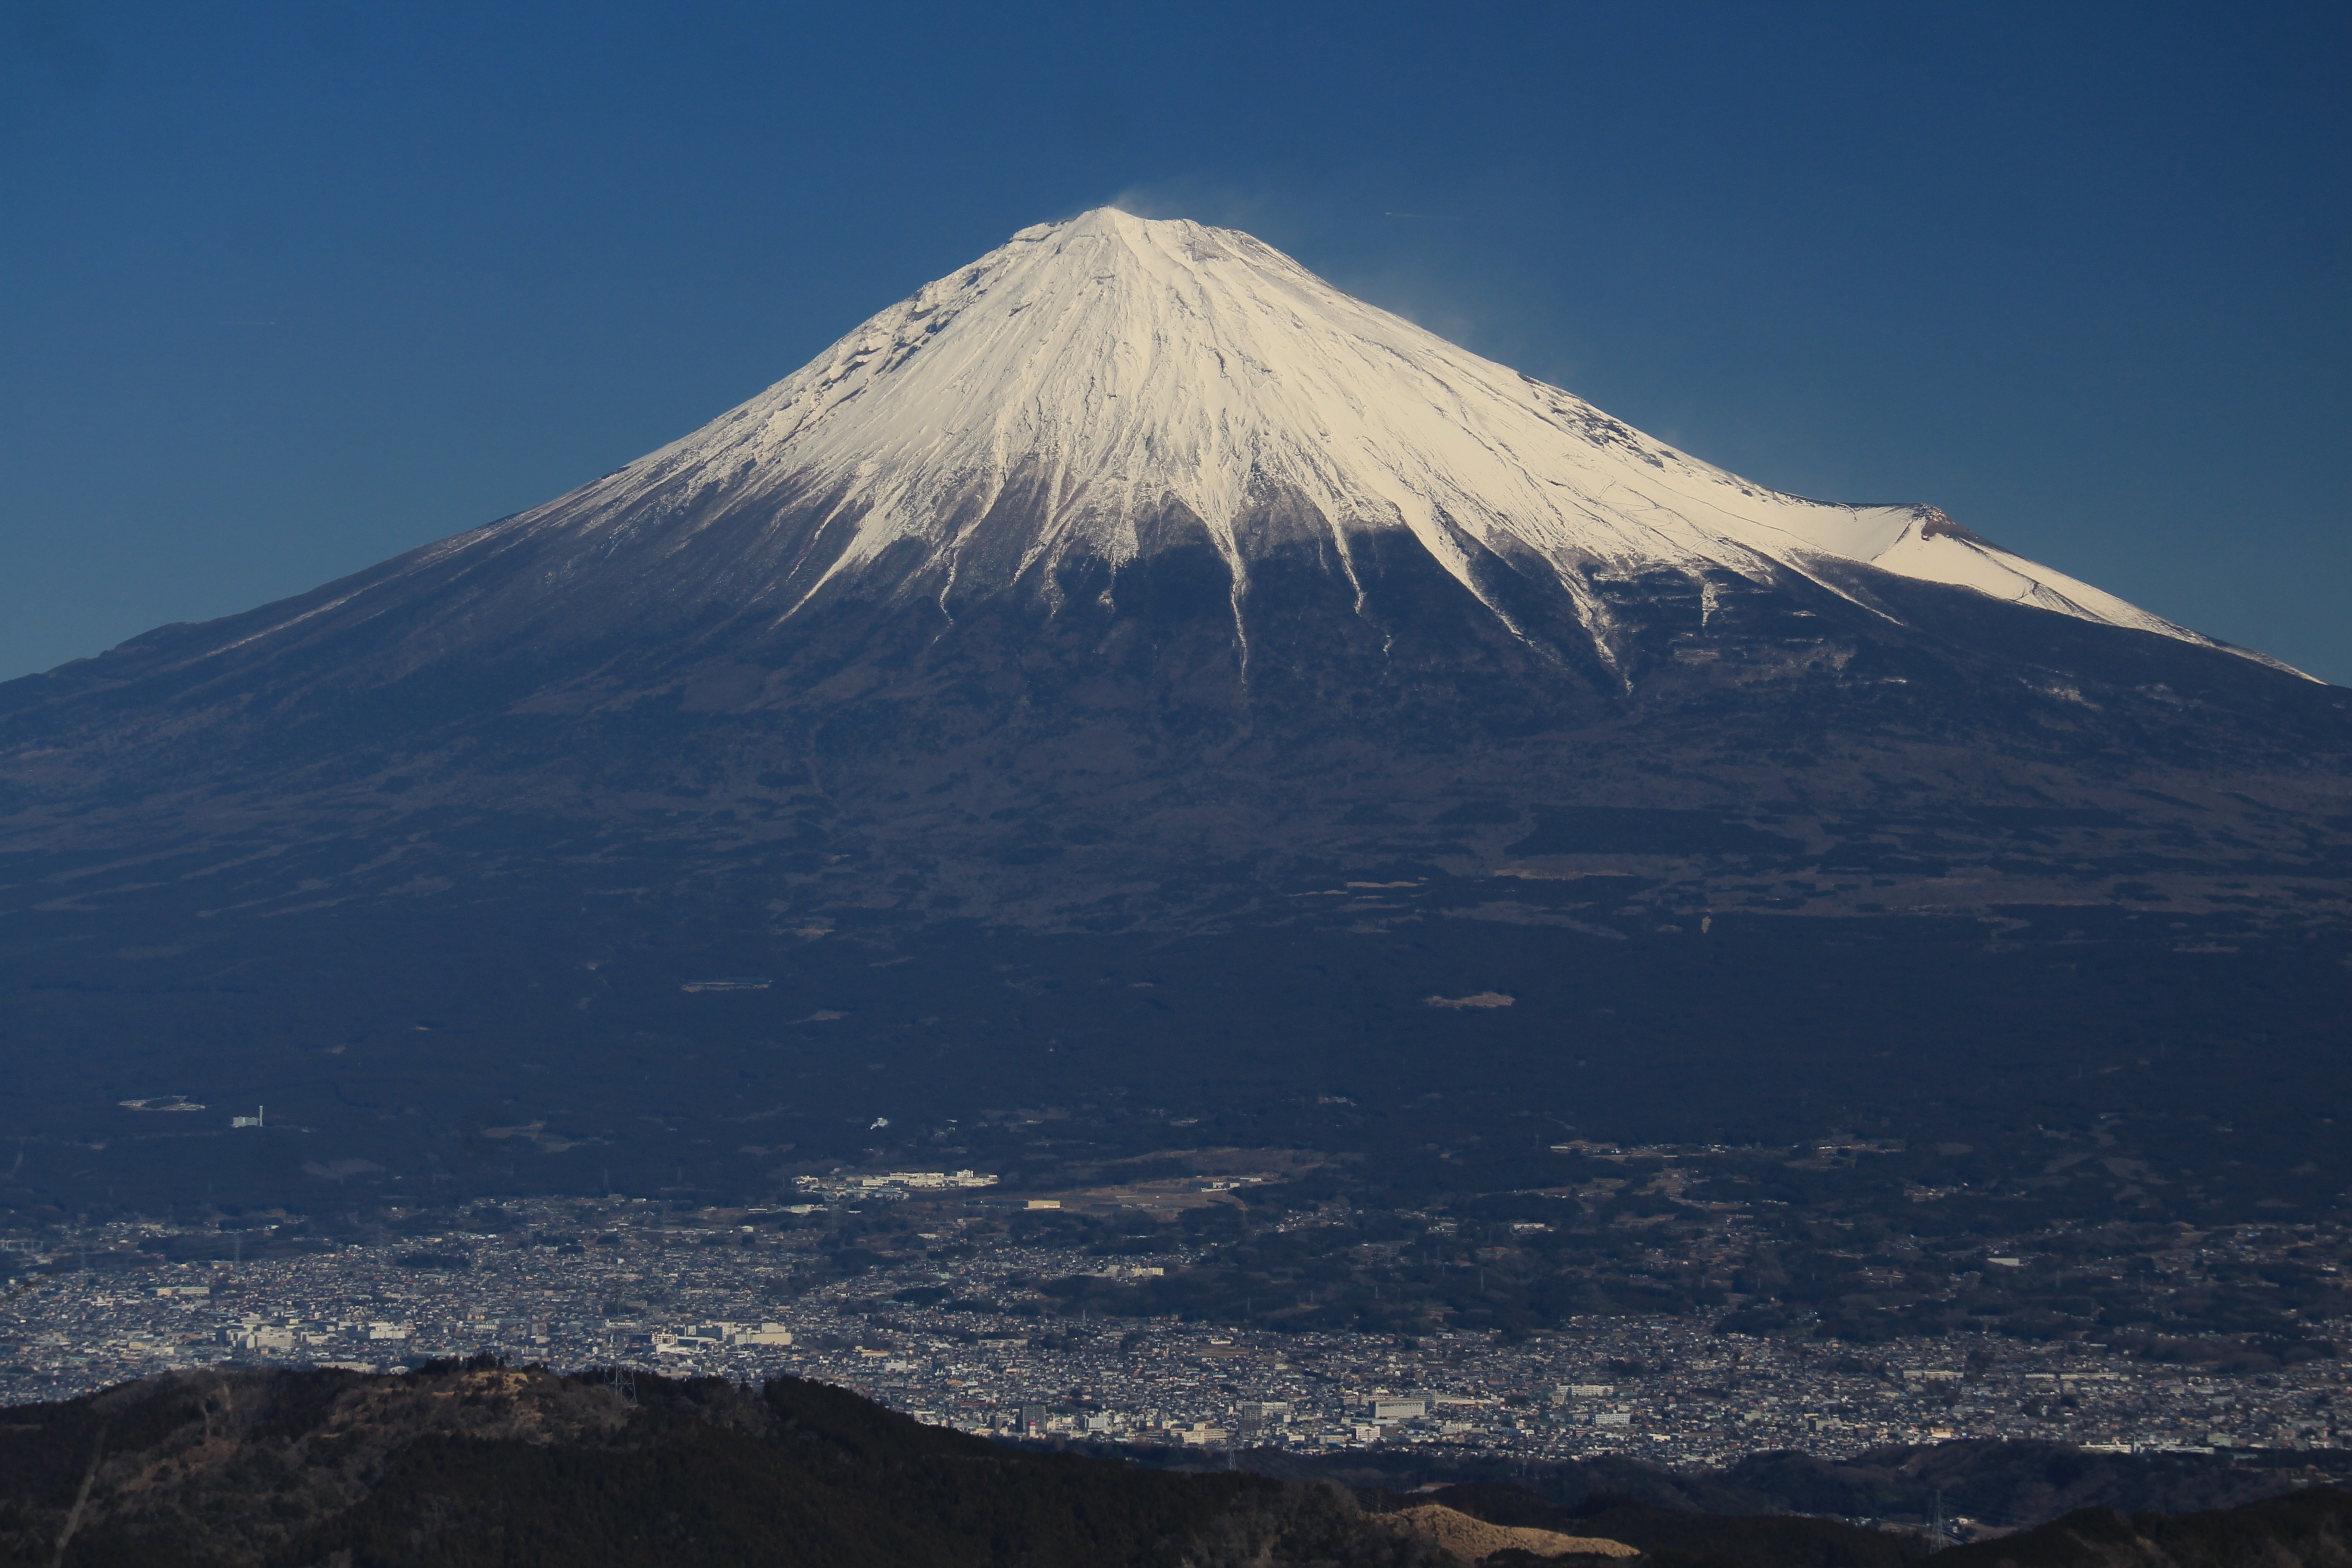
(1133, 575)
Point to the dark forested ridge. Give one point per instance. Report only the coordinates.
(479, 1465)
(484, 1465)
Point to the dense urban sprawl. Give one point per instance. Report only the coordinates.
(961, 1333)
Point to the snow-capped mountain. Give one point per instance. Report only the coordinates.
(1131, 674)
(1107, 387)
(1134, 547)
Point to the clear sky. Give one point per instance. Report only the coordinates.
(287, 287)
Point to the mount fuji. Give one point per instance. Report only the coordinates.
(1132, 573)
(1132, 651)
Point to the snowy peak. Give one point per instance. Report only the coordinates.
(1112, 372)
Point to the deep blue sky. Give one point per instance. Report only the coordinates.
(285, 289)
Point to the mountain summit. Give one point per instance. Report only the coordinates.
(1133, 569)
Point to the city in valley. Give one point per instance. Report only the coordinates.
(939, 1297)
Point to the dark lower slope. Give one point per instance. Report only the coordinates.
(1080, 747)
(456, 836)
(2202, 1063)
